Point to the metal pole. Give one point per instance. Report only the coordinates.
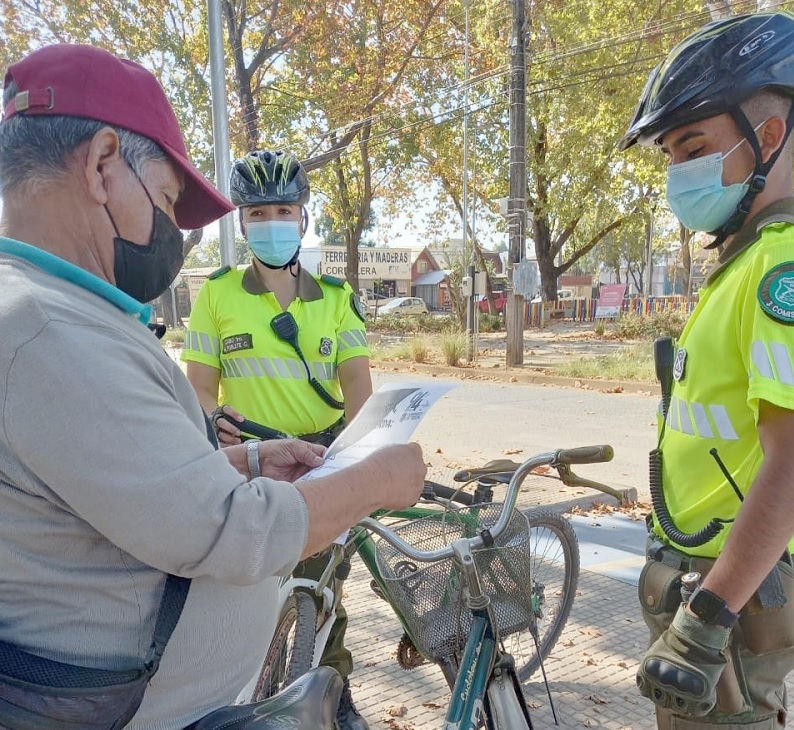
(173, 304)
(649, 253)
(220, 126)
(471, 311)
(517, 202)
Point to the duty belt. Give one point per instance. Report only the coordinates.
(770, 593)
(326, 436)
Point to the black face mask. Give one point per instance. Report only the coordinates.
(144, 272)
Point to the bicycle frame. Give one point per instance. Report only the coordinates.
(486, 685)
(481, 686)
(360, 542)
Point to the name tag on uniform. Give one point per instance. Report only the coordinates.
(237, 342)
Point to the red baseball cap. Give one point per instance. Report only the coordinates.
(83, 81)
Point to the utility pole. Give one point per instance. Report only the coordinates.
(517, 202)
(649, 248)
(220, 125)
(471, 310)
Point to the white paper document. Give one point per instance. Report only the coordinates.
(390, 416)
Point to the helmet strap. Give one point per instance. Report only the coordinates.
(758, 177)
(289, 265)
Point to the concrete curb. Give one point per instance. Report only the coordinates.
(498, 372)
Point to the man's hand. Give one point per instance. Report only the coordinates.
(400, 471)
(222, 419)
(681, 669)
(288, 459)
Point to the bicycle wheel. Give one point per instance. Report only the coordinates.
(554, 555)
(292, 649)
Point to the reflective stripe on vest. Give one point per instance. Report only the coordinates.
(201, 342)
(272, 367)
(780, 354)
(351, 338)
(696, 419)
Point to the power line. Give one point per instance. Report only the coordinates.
(671, 26)
(660, 29)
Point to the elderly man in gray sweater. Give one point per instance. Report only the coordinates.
(108, 482)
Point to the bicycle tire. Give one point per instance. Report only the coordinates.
(554, 552)
(291, 651)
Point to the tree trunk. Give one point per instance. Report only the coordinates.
(242, 76)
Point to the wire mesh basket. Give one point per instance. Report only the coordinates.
(429, 596)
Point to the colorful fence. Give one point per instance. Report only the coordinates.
(583, 310)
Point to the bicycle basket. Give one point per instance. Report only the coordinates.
(429, 596)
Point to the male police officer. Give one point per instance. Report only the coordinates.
(720, 108)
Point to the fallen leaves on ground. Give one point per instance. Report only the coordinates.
(507, 452)
(633, 510)
(393, 724)
(397, 711)
(596, 700)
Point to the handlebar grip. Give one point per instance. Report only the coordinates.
(258, 430)
(433, 489)
(585, 455)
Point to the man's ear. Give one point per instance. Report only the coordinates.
(771, 135)
(102, 155)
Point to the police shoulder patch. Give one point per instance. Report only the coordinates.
(357, 306)
(218, 273)
(332, 280)
(776, 293)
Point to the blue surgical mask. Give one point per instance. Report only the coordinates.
(274, 243)
(696, 194)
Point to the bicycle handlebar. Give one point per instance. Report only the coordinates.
(586, 455)
(431, 556)
(252, 428)
(500, 470)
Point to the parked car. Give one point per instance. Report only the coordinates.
(562, 295)
(404, 305)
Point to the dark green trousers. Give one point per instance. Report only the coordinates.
(751, 694)
(335, 654)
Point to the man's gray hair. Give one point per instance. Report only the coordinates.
(35, 150)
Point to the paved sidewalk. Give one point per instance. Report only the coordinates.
(591, 670)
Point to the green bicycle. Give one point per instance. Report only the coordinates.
(455, 571)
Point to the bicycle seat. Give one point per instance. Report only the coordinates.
(498, 470)
(311, 702)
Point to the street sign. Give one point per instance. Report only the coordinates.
(525, 278)
(373, 263)
(610, 301)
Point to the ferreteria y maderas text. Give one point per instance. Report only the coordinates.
(373, 263)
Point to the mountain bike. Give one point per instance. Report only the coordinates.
(538, 549)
